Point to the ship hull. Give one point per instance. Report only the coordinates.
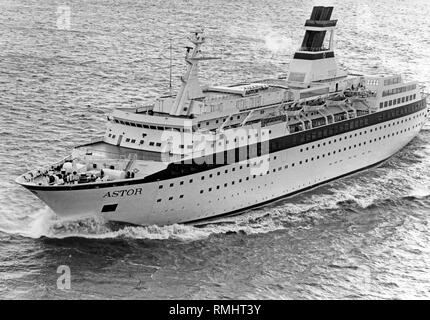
(236, 187)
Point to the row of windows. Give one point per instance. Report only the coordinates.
(255, 164)
(236, 139)
(399, 90)
(130, 140)
(181, 146)
(218, 121)
(248, 165)
(199, 125)
(167, 128)
(333, 152)
(239, 154)
(361, 132)
(372, 82)
(390, 103)
(248, 103)
(349, 125)
(238, 117)
(171, 198)
(396, 80)
(145, 126)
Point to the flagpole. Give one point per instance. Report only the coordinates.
(170, 74)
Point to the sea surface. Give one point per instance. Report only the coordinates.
(65, 64)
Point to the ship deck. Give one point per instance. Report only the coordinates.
(97, 162)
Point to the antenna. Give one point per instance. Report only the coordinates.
(170, 74)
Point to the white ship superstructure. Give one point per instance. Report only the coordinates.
(214, 150)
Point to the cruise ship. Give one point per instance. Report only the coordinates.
(213, 150)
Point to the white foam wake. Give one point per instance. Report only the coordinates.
(44, 223)
(97, 229)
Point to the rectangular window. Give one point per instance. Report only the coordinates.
(314, 136)
(324, 132)
(109, 207)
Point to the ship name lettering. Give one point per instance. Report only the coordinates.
(122, 193)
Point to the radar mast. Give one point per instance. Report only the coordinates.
(190, 88)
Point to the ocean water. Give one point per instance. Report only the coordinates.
(65, 64)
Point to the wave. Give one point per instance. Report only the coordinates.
(34, 225)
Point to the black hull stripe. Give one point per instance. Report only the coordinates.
(177, 170)
(313, 56)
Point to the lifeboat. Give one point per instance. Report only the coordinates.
(314, 106)
(294, 110)
(336, 100)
